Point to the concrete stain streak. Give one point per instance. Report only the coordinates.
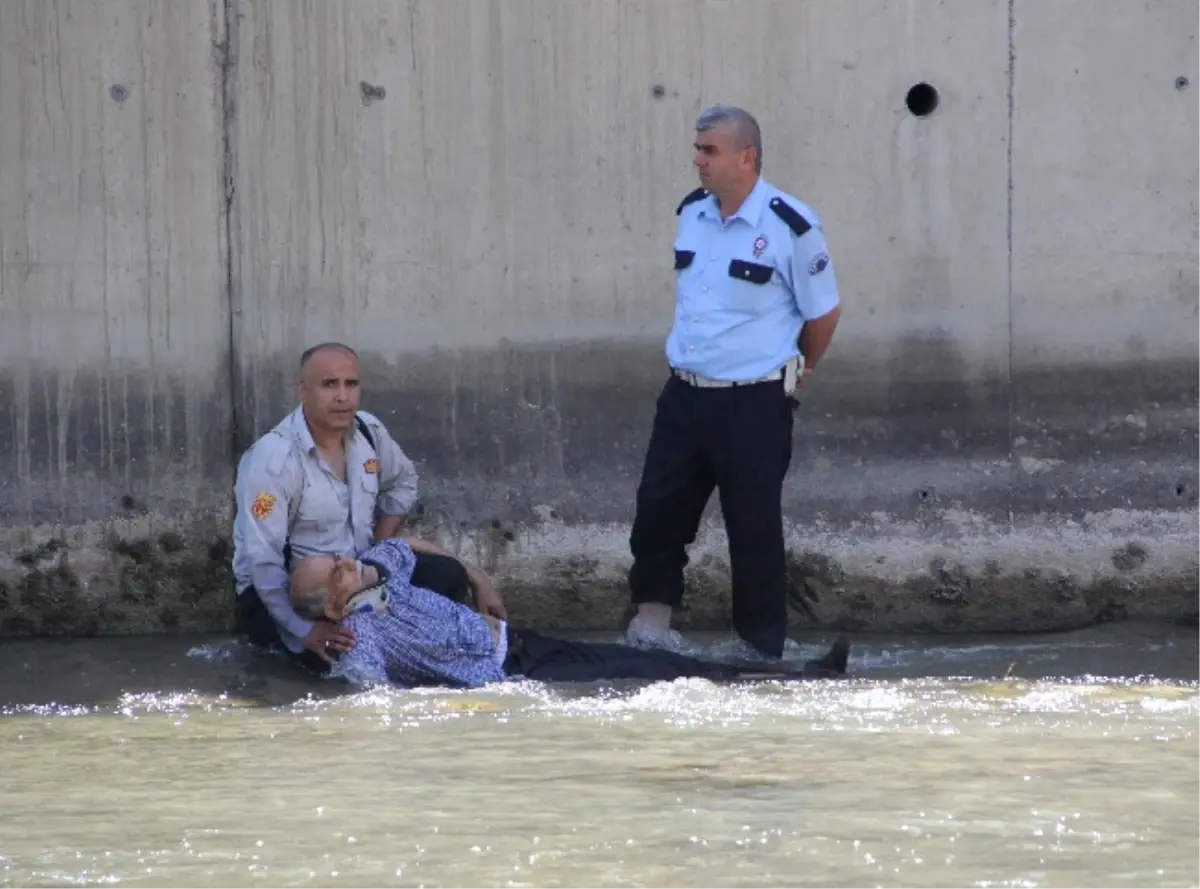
(1012, 77)
(225, 29)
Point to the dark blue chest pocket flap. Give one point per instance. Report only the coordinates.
(750, 271)
(683, 258)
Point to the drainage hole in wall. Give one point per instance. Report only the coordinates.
(922, 99)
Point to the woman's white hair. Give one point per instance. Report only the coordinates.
(309, 588)
(311, 604)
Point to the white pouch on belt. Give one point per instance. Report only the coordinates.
(791, 374)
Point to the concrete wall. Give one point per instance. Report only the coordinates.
(114, 321)
(480, 196)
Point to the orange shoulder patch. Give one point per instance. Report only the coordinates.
(263, 506)
(371, 467)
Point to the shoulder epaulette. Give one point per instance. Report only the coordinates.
(785, 211)
(698, 195)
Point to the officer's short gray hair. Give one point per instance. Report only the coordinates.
(742, 125)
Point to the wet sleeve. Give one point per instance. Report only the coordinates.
(267, 481)
(397, 475)
(814, 282)
(367, 660)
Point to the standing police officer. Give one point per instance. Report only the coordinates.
(328, 479)
(756, 308)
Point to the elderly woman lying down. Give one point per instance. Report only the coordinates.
(408, 636)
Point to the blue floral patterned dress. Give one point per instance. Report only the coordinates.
(422, 638)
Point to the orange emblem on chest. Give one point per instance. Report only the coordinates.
(263, 506)
(371, 467)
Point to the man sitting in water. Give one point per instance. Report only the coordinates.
(408, 636)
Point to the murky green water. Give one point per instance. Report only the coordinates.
(165, 762)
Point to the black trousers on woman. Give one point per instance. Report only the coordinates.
(546, 659)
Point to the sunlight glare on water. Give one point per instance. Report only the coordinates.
(231, 773)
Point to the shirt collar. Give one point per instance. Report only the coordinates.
(304, 434)
(749, 212)
(385, 576)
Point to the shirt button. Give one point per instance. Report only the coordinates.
(705, 288)
(691, 348)
(695, 318)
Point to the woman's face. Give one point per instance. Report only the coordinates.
(344, 579)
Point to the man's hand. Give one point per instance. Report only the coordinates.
(804, 375)
(327, 638)
(487, 599)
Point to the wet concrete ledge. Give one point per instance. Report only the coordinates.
(950, 570)
(1053, 499)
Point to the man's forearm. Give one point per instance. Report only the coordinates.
(816, 335)
(474, 575)
(279, 606)
(387, 526)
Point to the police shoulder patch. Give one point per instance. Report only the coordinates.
(698, 195)
(263, 506)
(791, 217)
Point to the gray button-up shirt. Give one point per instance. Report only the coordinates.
(287, 493)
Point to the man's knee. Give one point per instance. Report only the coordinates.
(668, 523)
(444, 575)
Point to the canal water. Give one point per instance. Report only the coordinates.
(1068, 760)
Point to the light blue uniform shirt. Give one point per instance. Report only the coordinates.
(287, 493)
(746, 285)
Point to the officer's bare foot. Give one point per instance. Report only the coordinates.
(651, 628)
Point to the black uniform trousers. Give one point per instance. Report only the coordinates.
(739, 440)
(444, 575)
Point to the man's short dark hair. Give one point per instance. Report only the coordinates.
(321, 347)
